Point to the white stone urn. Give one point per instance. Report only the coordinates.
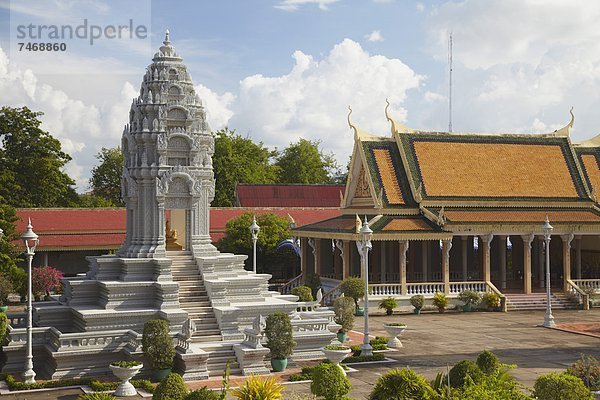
(394, 330)
(336, 354)
(125, 374)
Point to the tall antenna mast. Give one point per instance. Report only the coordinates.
(450, 85)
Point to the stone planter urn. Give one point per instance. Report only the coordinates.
(394, 330)
(125, 374)
(336, 354)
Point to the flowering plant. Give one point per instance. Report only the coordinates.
(45, 280)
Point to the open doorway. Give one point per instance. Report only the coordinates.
(176, 235)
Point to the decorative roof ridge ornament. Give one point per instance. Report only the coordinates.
(441, 218)
(593, 142)
(566, 131)
(419, 193)
(358, 133)
(380, 199)
(396, 127)
(358, 224)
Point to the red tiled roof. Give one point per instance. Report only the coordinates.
(103, 228)
(288, 195)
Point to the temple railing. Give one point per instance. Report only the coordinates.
(475, 286)
(297, 281)
(490, 287)
(425, 288)
(587, 284)
(331, 295)
(573, 289)
(17, 320)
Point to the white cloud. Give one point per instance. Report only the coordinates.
(293, 5)
(311, 100)
(516, 72)
(216, 106)
(420, 7)
(374, 36)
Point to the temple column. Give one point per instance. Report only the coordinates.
(346, 259)
(527, 239)
(566, 242)
(502, 260)
(315, 245)
(403, 248)
(383, 262)
(465, 258)
(446, 246)
(541, 268)
(425, 259)
(578, 257)
(486, 241)
(303, 256)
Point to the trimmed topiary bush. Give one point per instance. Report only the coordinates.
(488, 363)
(3, 327)
(417, 301)
(400, 384)
(257, 387)
(560, 387)
(304, 293)
(171, 388)
(203, 394)
(6, 288)
(157, 345)
(330, 382)
(354, 288)
(278, 331)
(344, 313)
(461, 370)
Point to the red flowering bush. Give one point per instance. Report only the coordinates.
(45, 280)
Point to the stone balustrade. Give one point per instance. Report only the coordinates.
(585, 284)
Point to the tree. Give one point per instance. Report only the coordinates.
(106, 176)
(304, 162)
(237, 239)
(31, 163)
(239, 160)
(9, 254)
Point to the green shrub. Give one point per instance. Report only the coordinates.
(126, 364)
(313, 281)
(344, 313)
(440, 301)
(278, 331)
(330, 382)
(469, 297)
(6, 288)
(417, 301)
(157, 345)
(304, 293)
(203, 394)
(462, 370)
(488, 363)
(560, 387)
(3, 327)
(354, 288)
(258, 387)
(357, 359)
(400, 384)
(171, 388)
(498, 386)
(96, 396)
(491, 300)
(587, 368)
(388, 304)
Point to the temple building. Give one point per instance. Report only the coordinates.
(454, 211)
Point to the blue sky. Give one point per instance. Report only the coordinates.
(278, 70)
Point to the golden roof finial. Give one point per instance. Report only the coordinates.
(567, 129)
(396, 127)
(358, 133)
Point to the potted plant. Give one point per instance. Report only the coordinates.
(125, 370)
(394, 330)
(158, 347)
(344, 316)
(440, 301)
(417, 301)
(354, 288)
(388, 304)
(6, 289)
(470, 299)
(336, 354)
(491, 300)
(278, 331)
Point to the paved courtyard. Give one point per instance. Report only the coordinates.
(433, 341)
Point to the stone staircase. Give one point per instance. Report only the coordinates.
(537, 301)
(193, 297)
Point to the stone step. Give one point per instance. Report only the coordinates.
(206, 338)
(207, 332)
(195, 299)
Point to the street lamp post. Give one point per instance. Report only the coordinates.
(364, 246)
(30, 240)
(548, 318)
(254, 229)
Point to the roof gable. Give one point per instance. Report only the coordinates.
(589, 158)
(493, 167)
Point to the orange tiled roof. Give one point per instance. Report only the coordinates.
(521, 216)
(470, 169)
(406, 224)
(391, 186)
(590, 164)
